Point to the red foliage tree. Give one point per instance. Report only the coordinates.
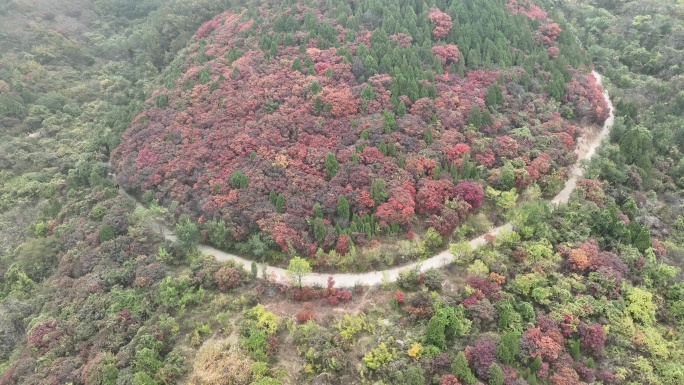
(585, 373)
(456, 152)
(480, 310)
(259, 117)
(446, 53)
(553, 52)
(591, 190)
(342, 246)
(432, 194)
(548, 32)
(401, 39)
(486, 157)
(46, 335)
(448, 379)
(445, 222)
(208, 27)
(539, 166)
(565, 376)
(593, 338)
(470, 192)
(342, 101)
(547, 345)
(399, 208)
(527, 8)
(420, 167)
(585, 95)
(442, 22)
(424, 107)
(488, 287)
(481, 356)
(505, 146)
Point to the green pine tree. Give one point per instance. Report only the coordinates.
(429, 139)
(342, 207)
(401, 109)
(297, 65)
(435, 332)
(536, 364)
(280, 203)
(494, 96)
(462, 371)
(331, 166)
(496, 375)
(320, 230)
(378, 191)
(508, 348)
(318, 211)
(575, 348)
(315, 87)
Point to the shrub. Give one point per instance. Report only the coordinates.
(478, 268)
(350, 326)
(340, 296)
(215, 364)
(378, 357)
(98, 212)
(106, 234)
(448, 379)
(496, 375)
(432, 240)
(433, 279)
(305, 316)
(400, 297)
(414, 350)
(414, 375)
(409, 279)
(304, 294)
(227, 278)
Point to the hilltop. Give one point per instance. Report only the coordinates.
(316, 130)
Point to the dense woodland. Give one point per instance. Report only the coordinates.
(295, 131)
(343, 136)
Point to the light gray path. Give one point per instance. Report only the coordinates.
(585, 151)
(586, 148)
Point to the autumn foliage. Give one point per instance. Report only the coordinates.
(441, 21)
(256, 133)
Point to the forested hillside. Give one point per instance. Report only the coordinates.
(309, 131)
(340, 135)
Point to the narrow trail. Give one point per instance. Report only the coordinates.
(585, 150)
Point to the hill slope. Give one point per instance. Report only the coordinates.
(307, 129)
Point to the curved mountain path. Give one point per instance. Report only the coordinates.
(586, 148)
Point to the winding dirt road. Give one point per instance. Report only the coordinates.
(586, 148)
